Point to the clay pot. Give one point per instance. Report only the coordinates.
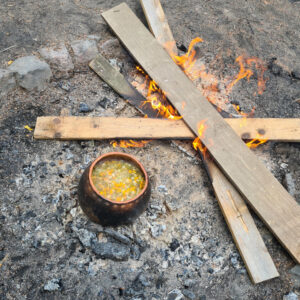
(109, 212)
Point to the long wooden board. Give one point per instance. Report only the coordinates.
(264, 193)
(99, 128)
(247, 238)
(158, 24)
(256, 257)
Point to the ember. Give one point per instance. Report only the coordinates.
(129, 143)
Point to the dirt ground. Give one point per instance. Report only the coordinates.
(181, 242)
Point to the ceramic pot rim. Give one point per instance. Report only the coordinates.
(118, 154)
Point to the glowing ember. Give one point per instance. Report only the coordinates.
(256, 142)
(129, 143)
(118, 180)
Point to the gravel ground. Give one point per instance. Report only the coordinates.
(180, 248)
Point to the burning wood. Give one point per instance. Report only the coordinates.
(259, 188)
(101, 128)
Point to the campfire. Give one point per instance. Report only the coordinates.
(194, 111)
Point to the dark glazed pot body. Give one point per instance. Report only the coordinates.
(107, 212)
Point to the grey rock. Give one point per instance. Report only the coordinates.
(112, 47)
(86, 237)
(7, 82)
(58, 56)
(162, 189)
(105, 103)
(189, 283)
(157, 229)
(135, 252)
(290, 296)
(295, 270)
(84, 50)
(175, 295)
(83, 108)
(174, 245)
(31, 73)
(112, 251)
(189, 294)
(142, 280)
(234, 261)
(117, 236)
(53, 285)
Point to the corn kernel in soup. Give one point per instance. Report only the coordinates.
(118, 180)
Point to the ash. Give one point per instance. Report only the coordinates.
(180, 248)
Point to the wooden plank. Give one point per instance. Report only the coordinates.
(247, 238)
(99, 128)
(264, 193)
(118, 82)
(158, 24)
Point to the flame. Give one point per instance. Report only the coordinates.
(256, 142)
(129, 143)
(197, 144)
(215, 90)
(157, 98)
(246, 72)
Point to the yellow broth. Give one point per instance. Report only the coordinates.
(118, 179)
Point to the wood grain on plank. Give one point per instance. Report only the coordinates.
(158, 24)
(251, 246)
(275, 206)
(256, 257)
(99, 128)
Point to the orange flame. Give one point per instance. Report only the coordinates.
(246, 71)
(129, 143)
(197, 144)
(210, 85)
(256, 142)
(157, 98)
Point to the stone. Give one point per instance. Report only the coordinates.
(86, 237)
(112, 48)
(117, 236)
(142, 280)
(53, 285)
(7, 82)
(174, 245)
(157, 229)
(83, 108)
(290, 296)
(105, 103)
(295, 270)
(175, 295)
(135, 252)
(31, 73)
(113, 251)
(189, 294)
(295, 274)
(162, 189)
(84, 50)
(58, 56)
